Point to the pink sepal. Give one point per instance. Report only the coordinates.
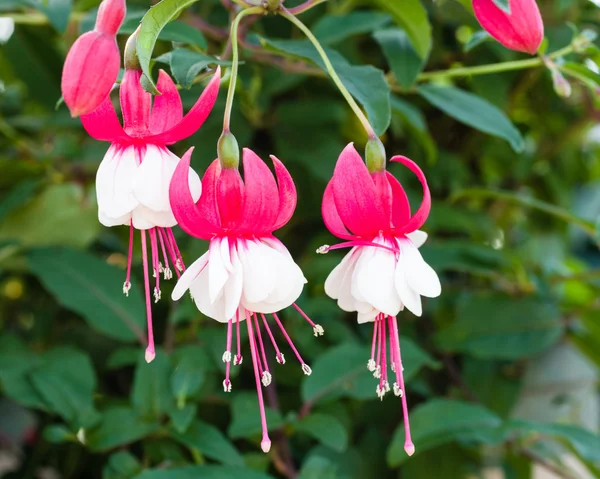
(167, 110)
(331, 217)
(136, 104)
(287, 194)
(207, 204)
(230, 197)
(400, 203)
(103, 124)
(420, 216)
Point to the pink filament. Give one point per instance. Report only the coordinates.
(170, 249)
(162, 247)
(260, 341)
(289, 340)
(384, 352)
(270, 335)
(408, 444)
(228, 363)
(129, 255)
(352, 244)
(304, 315)
(175, 248)
(150, 352)
(155, 260)
(261, 405)
(375, 328)
(380, 335)
(238, 337)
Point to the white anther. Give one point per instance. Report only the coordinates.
(323, 249)
(393, 366)
(179, 264)
(280, 358)
(156, 295)
(168, 274)
(154, 272)
(377, 372)
(226, 356)
(227, 385)
(371, 365)
(397, 390)
(386, 385)
(237, 359)
(306, 369)
(380, 392)
(266, 378)
(318, 330)
(126, 288)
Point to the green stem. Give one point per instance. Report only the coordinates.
(235, 61)
(494, 67)
(332, 73)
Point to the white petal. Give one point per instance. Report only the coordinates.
(232, 292)
(7, 27)
(216, 270)
(409, 298)
(114, 182)
(151, 183)
(108, 221)
(334, 281)
(259, 271)
(367, 317)
(420, 276)
(225, 254)
(417, 237)
(189, 276)
(199, 290)
(144, 218)
(373, 280)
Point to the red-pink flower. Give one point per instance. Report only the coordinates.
(522, 29)
(384, 271)
(132, 183)
(92, 64)
(246, 272)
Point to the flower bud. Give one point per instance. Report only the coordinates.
(228, 150)
(375, 155)
(522, 29)
(111, 14)
(562, 87)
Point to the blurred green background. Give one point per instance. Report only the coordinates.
(502, 369)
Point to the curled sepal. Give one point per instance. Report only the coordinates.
(418, 219)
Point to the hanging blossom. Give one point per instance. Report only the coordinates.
(132, 183)
(384, 272)
(92, 64)
(247, 273)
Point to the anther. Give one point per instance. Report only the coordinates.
(386, 385)
(397, 390)
(126, 288)
(280, 358)
(237, 359)
(323, 249)
(377, 372)
(266, 378)
(318, 330)
(168, 274)
(156, 295)
(306, 369)
(227, 385)
(393, 367)
(179, 265)
(371, 365)
(226, 356)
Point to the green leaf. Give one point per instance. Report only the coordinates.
(473, 111)
(175, 31)
(153, 22)
(191, 363)
(17, 196)
(412, 16)
(366, 83)
(318, 467)
(59, 215)
(123, 357)
(210, 442)
(336, 28)
(67, 390)
(57, 11)
(441, 421)
(404, 61)
(245, 421)
(121, 465)
(326, 429)
(119, 426)
(503, 5)
(513, 328)
(181, 418)
(92, 288)
(476, 39)
(150, 394)
(204, 472)
(342, 371)
(57, 434)
(186, 64)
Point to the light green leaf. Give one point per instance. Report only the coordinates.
(150, 392)
(245, 414)
(58, 434)
(119, 426)
(336, 28)
(476, 39)
(473, 111)
(441, 421)
(210, 442)
(121, 465)
(186, 64)
(503, 5)
(412, 16)
(366, 83)
(401, 55)
(57, 11)
(153, 22)
(204, 472)
(85, 284)
(326, 429)
(513, 328)
(175, 31)
(17, 196)
(181, 418)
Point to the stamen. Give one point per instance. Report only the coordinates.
(168, 274)
(127, 284)
(227, 385)
(155, 263)
(317, 328)
(227, 358)
(150, 352)
(238, 357)
(266, 373)
(377, 372)
(157, 295)
(278, 356)
(165, 238)
(383, 381)
(266, 378)
(179, 261)
(126, 288)
(266, 442)
(305, 368)
(323, 249)
(351, 244)
(371, 364)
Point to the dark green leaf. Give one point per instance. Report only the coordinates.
(204, 472)
(121, 465)
(473, 111)
(438, 422)
(326, 429)
(17, 196)
(210, 442)
(477, 39)
(92, 288)
(186, 64)
(181, 418)
(57, 11)
(123, 357)
(245, 421)
(119, 426)
(503, 5)
(336, 28)
(493, 325)
(366, 83)
(191, 364)
(318, 467)
(150, 394)
(57, 434)
(401, 56)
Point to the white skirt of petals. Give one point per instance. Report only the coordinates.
(372, 280)
(256, 275)
(132, 185)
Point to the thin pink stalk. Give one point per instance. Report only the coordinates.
(371, 364)
(170, 249)
(304, 315)
(227, 358)
(150, 352)
(238, 356)
(409, 447)
(155, 263)
(260, 341)
(179, 263)
(384, 356)
(279, 356)
(164, 253)
(305, 366)
(127, 284)
(265, 443)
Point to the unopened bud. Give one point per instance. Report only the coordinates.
(562, 87)
(375, 155)
(228, 150)
(130, 57)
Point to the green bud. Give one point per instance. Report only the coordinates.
(131, 59)
(228, 150)
(375, 153)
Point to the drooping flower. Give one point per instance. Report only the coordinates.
(132, 183)
(384, 272)
(92, 64)
(522, 29)
(247, 273)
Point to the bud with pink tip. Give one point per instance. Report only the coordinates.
(92, 65)
(522, 29)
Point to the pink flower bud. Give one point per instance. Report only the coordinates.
(110, 16)
(522, 29)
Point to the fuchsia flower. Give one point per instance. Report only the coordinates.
(384, 272)
(92, 64)
(132, 183)
(522, 29)
(246, 272)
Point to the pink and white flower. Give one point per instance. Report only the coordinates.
(132, 183)
(384, 271)
(247, 272)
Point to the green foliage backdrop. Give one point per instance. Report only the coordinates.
(502, 369)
